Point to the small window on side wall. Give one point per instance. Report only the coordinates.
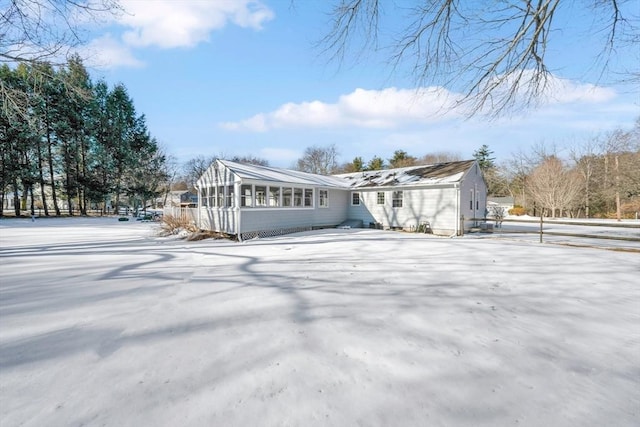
(323, 196)
(355, 199)
(397, 199)
(380, 198)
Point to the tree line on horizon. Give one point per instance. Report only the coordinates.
(76, 143)
(598, 177)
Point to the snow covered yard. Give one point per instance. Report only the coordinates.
(103, 323)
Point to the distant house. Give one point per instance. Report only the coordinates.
(505, 203)
(184, 199)
(250, 200)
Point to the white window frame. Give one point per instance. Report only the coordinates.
(397, 199)
(323, 202)
(308, 199)
(246, 200)
(356, 196)
(261, 196)
(378, 197)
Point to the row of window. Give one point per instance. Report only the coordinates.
(396, 198)
(272, 196)
(262, 196)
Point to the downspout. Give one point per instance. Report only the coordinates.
(457, 218)
(199, 190)
(237, 196)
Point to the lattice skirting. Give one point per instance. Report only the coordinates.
(272, 233)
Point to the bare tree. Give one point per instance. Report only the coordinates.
(495, 52)
(554, 187)
(585, 157)
(620, 173)
(319, 160)
(195, 167)
(439, 157)
(37, 31)
(47, 30)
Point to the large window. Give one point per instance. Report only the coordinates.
(220, 196)
(212, 196)
(323, 198)
(246, 196)
(397, 199)
(274, 196)
(287, 197)
(355, 199)
(297, 197)
(261, 195)
(308, 197)
(203, 197)
(229, 196)
(380, 198)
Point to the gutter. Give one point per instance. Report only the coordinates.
(236, 188)
(199, 190)
(457, 229)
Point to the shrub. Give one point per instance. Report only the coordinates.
(517, 210)
(171, 225)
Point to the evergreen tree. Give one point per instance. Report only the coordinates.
(401, 159)
(375, 164)
(483, 156)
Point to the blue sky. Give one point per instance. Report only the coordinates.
(246, 77)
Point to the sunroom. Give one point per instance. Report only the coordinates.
(250, 201)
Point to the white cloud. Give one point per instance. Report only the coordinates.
(394, 108)
(185, 23)
(377, 109)
(562, 91)
(107, 52)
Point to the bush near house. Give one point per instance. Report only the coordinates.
(517, 210)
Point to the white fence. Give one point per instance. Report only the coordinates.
(188, 214)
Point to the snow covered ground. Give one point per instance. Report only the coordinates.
(103, 323)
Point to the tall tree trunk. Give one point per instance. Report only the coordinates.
(82, 171)
(33, 208)
(41, 179)
(16, 198)
(51, 174)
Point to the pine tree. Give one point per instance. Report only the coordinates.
(483, 156)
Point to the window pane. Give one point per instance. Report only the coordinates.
(308, 197)
(286, 197)
(324, 198)
(246, 198)
(212, 196)
(381, 198)
(297, 197)
(220, 196)
(261, 195)
(397, 199)
(203, 197)
(274, 196)
(230, 196)
(355, 199)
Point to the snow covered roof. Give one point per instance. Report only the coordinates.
(413, 175)
(266, 173)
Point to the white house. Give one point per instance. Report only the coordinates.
(250, 200)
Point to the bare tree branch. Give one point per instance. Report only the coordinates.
(494, 53)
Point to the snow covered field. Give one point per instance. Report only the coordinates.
(103, 323)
